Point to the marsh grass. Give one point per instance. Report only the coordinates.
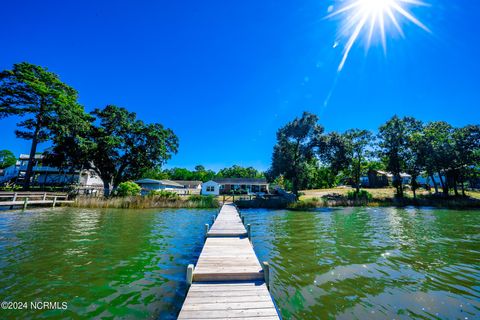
(340, 200)
(146, 202)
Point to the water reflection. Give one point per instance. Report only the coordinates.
(371, 263)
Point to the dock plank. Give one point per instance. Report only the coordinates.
(228, 280)
(254, 303)
(227, 259)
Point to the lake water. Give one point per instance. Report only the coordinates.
(372, 263)
(365, 263)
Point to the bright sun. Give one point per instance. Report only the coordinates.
(370, 16)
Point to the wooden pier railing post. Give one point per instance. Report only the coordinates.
(25, 203)
(190, 274)
(266, 273)
(54, 201)
(14, 197)
(207, 226)
(44, 196)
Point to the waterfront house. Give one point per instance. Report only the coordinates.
(235, 185)
(381, 179)
(84, 181)
(148, 185)
(190, 184)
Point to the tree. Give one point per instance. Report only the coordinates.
(237, 171)
(334, 152)
(439, 150)
(358, 142)
(415, 151)
(117, 146)
(466, 154)
(394, 147)
(7, 159)
(46, 105)
(128, 188)
(294, 149)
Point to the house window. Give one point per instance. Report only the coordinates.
(210, 189)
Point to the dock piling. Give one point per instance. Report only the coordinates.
(25, 203)
(190, 274)
(266, 273)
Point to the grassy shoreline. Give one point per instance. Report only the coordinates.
(384, 197)
(146, 202)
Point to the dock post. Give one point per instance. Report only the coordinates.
(189, 275)
(25, 203)
(213, 218)
(206, 228)
(266, 273)
(44, 196)
(249, 232)
(14, 197)
(54, 201)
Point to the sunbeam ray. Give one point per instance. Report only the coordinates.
(357, 14)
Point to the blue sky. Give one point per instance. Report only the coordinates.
(226, 75)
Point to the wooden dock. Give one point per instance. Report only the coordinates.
(24, 199)
(228, 281)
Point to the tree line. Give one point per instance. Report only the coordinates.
(109, 140)
(202, 174)
(305, 157)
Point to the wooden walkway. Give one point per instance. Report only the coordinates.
(228, 281)
(24, 199)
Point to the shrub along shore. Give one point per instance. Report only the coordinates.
(366, 200)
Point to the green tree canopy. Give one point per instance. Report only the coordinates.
(46, 105)
(358, 142)
(294, 150)
(394, 146)
(237, 171)
(7, 159)
(118, 146)
(334, 152)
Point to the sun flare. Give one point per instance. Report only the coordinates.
(371, 16)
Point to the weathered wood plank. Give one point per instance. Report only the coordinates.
(222, 301)
(227, 258)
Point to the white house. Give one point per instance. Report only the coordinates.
(85, 181)
(152, 185)
(190, 184)
(235, 185)
(210, 187)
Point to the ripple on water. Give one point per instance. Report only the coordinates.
(371, 263)
(104, 263)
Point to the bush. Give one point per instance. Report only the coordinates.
(306, 204)
(362, 195)
(126, 189)
(208, 201)
(164, 194)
